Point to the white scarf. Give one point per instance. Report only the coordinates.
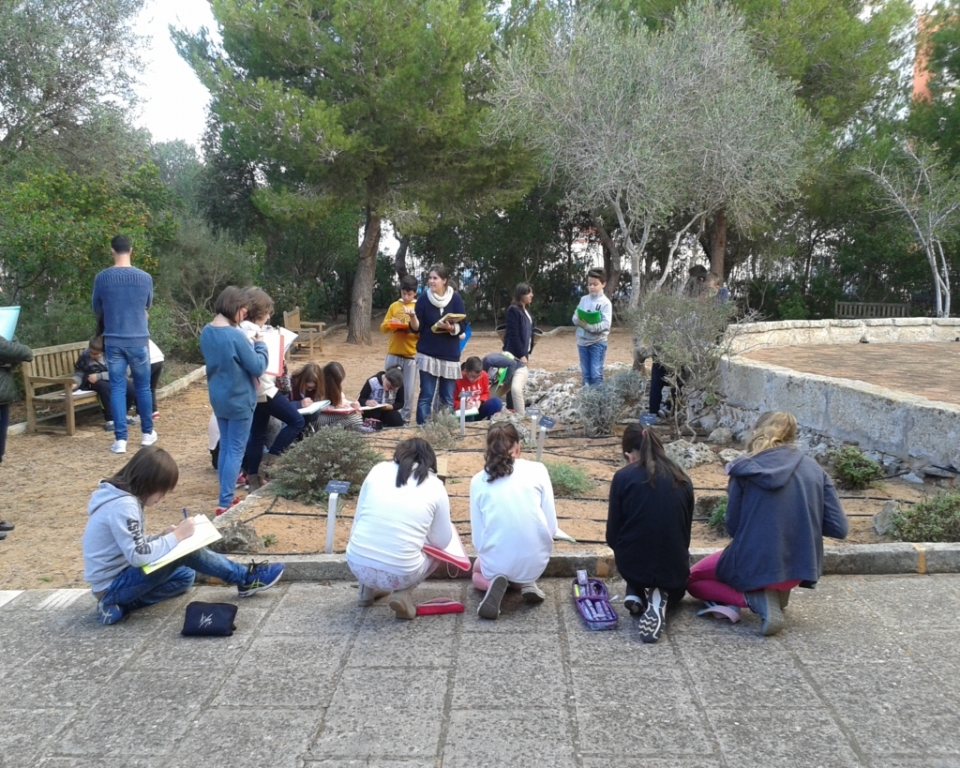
(440, 302)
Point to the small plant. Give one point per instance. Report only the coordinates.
(331, 454)
(602, 406)
(852, 469)
(441, 429)
(568, 480)
(269, 539)
(717, 519)
(936, 518)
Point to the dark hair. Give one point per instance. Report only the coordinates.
(520, 291)
(472, 365)
(697, 270)
(121, 244)
(151, 470)
(441, 271)
(644, 442)
(333, 376)
(597, 274)
(259, 303)
(96, 342)
(498, 458)
(310, 372)
(394, 376)
(230, 301)
(414, 456)
(409, 283)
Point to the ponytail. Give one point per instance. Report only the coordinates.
(498, 458)
(651, 456)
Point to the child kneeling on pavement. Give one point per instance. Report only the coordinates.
(513, 521)
(116, 546)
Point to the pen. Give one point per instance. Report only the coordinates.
(184, 513)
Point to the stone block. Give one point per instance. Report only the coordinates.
(883, 520)
(867, 415)
(942, 557)
(871, 559)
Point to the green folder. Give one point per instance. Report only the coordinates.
(590, 318)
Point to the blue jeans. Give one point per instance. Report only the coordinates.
(281, 408)
(233, 444)
(134, 589)
(138, 358)
(488, 408)
(4, 424)
(591, 363)
(428, 387)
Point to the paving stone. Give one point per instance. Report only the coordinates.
(492, 738)
(26, 733)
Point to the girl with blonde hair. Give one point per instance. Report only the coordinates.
(780, 506)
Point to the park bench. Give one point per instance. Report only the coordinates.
(859, 310)
(309, 335)
(48, 380)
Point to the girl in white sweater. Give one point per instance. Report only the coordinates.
(513, 520)
(402, 506)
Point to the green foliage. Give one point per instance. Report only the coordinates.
(441, 429)
(717, 519)
(936, 518)
(792, 307)
(331, 454)
(852, 469)
(269, 539)
(602, 406)
(568, 480)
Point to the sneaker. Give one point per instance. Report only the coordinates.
(784, 598)
(653, 619)
(532, 594)
(119, 446)
(220, 510)
(366, 595)
(150, 438)
(5, 526)
(766, 604)
(108, 426)
(109, 613)
(242, 479)
(402, 604)
(260, 577)
(730, 612)
(634, 604)
(156, 415)
(489, 607)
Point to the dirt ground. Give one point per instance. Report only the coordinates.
(48, 478)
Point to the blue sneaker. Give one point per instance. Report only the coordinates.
(109, 613)
(260, 577)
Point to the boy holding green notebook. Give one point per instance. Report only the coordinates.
(593, 318)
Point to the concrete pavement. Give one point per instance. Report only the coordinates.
(867, 673)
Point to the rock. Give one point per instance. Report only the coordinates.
(721, 436)
(704, 505)
(912, 477)
(238, 537)
(522, 425)
(689, 455)
(883, 520)
(730, 454)
(709, 422)
(935, 471)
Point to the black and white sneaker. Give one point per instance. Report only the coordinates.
(653, 619)
(634, 604)
(489, 607)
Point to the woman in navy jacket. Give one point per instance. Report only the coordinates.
(438, 348)
(518, 341)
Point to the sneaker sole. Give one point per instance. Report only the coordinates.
(254, 590)
(489, 607)
(652, 620)
(774, 622)
(403, 607)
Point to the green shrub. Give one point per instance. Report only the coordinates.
(568, 480)
(936, 518)
(852, 469)
(599, 410)
(717, 519)
(331, 454)
(441, 429)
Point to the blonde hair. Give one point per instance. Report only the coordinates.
(772, 430)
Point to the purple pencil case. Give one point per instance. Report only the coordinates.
(593, 604)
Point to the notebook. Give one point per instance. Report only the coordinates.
(278, 341)
(8, 321)
(316, 405)
(590, 318)
(204, 534)
(450, 317)
(453, 553)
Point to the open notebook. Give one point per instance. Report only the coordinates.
(453, 553)
(204, 534)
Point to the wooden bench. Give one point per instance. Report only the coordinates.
(859, 310)
(48, 380)
(309, 335)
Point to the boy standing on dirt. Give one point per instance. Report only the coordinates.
(403, 342)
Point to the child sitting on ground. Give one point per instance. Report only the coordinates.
(342, 412)
(476, 384)
(386, 391)
(116, 546)
(306, 388)
(90, 374)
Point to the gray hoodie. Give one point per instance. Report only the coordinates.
(114, 539)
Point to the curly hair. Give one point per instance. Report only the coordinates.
(773, 429)
(498, 458)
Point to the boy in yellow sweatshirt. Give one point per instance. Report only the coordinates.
(403, 341)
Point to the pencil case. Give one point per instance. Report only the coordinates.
(439, 605)
(593, 604)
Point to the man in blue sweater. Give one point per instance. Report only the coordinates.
(122, 294)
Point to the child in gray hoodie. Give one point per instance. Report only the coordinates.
(116, 546)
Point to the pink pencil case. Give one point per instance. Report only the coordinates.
(439, 605)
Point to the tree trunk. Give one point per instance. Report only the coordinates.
(400, 260)
(361, 300)
(611, 258)
(718, 242)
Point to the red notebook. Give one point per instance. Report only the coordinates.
(453, 553)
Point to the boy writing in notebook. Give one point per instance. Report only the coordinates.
(476, 384)
(116, 546)
(402, 347)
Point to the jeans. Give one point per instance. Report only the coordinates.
(283, 409)
(591, 363)
(4, 424)
(490, 407)
(233, 444)
(134, 589)
(105, 396)
(138, 358)
(409, 367)
(428, 387)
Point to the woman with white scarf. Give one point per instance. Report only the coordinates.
(438, 348)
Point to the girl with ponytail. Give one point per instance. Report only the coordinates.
(649, 519)
(513, 521)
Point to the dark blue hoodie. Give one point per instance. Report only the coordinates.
(781, 505)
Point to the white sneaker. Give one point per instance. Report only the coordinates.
(150, 438)
(119, 446)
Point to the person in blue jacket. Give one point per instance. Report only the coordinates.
(438, 347)
(518, 341)
(780, 506)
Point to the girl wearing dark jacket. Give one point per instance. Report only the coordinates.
(11, 354)
(518, 341)
(780, 506)
(648, 528)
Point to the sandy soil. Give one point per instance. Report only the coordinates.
(47, 479)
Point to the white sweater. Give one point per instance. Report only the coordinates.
(392, 524)
(513, 520)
